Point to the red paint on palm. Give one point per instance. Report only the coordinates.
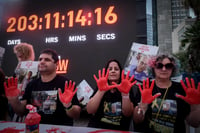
(11, 89)
(69, 92)
(146, 92)
(126, 83)
(192, 94)
(102, 82)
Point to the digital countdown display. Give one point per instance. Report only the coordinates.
(85, 33)
(69, 20)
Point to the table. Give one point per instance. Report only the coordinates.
(15, 127)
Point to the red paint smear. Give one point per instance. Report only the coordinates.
(54, 130)
(11, 130)
(107, 130)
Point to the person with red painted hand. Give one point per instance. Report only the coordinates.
(102, 82)
(192, 97)
(11, 89)
(146, 93)
(110, 105)
(160, 109)
(52, 94)
(146, 96)
(126, 83)
(68, 94)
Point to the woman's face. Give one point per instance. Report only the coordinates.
(114, 72)
(163, 69)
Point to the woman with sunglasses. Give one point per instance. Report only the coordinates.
(164, 105)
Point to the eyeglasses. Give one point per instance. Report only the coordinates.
(168, 66)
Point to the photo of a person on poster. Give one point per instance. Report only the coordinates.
(138, 60)
(139, 70)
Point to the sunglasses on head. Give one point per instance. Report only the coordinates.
(167, 66)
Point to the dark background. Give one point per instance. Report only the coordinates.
(85, 58)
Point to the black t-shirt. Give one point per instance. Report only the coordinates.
(44, 96)
(170, 117)
(109, 114)
(3, 100)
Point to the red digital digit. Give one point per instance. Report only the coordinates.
(48, 20)
(12, 22)
(80, 18)
(98, 12)
(34, 20)
(71, 18)
(57, 18)
(110, 17)
(22, 23)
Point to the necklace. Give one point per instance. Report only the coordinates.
(162, 102)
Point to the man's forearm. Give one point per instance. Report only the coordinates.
(194, 118)
(17, 105)
(74, 112)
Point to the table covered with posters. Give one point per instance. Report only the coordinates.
(15, 127)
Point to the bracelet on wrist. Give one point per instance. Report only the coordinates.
(126, 96)
(141, 108)
(69, 107)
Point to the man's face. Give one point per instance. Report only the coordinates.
(46, 64)
(142, 65)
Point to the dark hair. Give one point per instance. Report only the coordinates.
(51, 52)
(161, 58)
(118, 63)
